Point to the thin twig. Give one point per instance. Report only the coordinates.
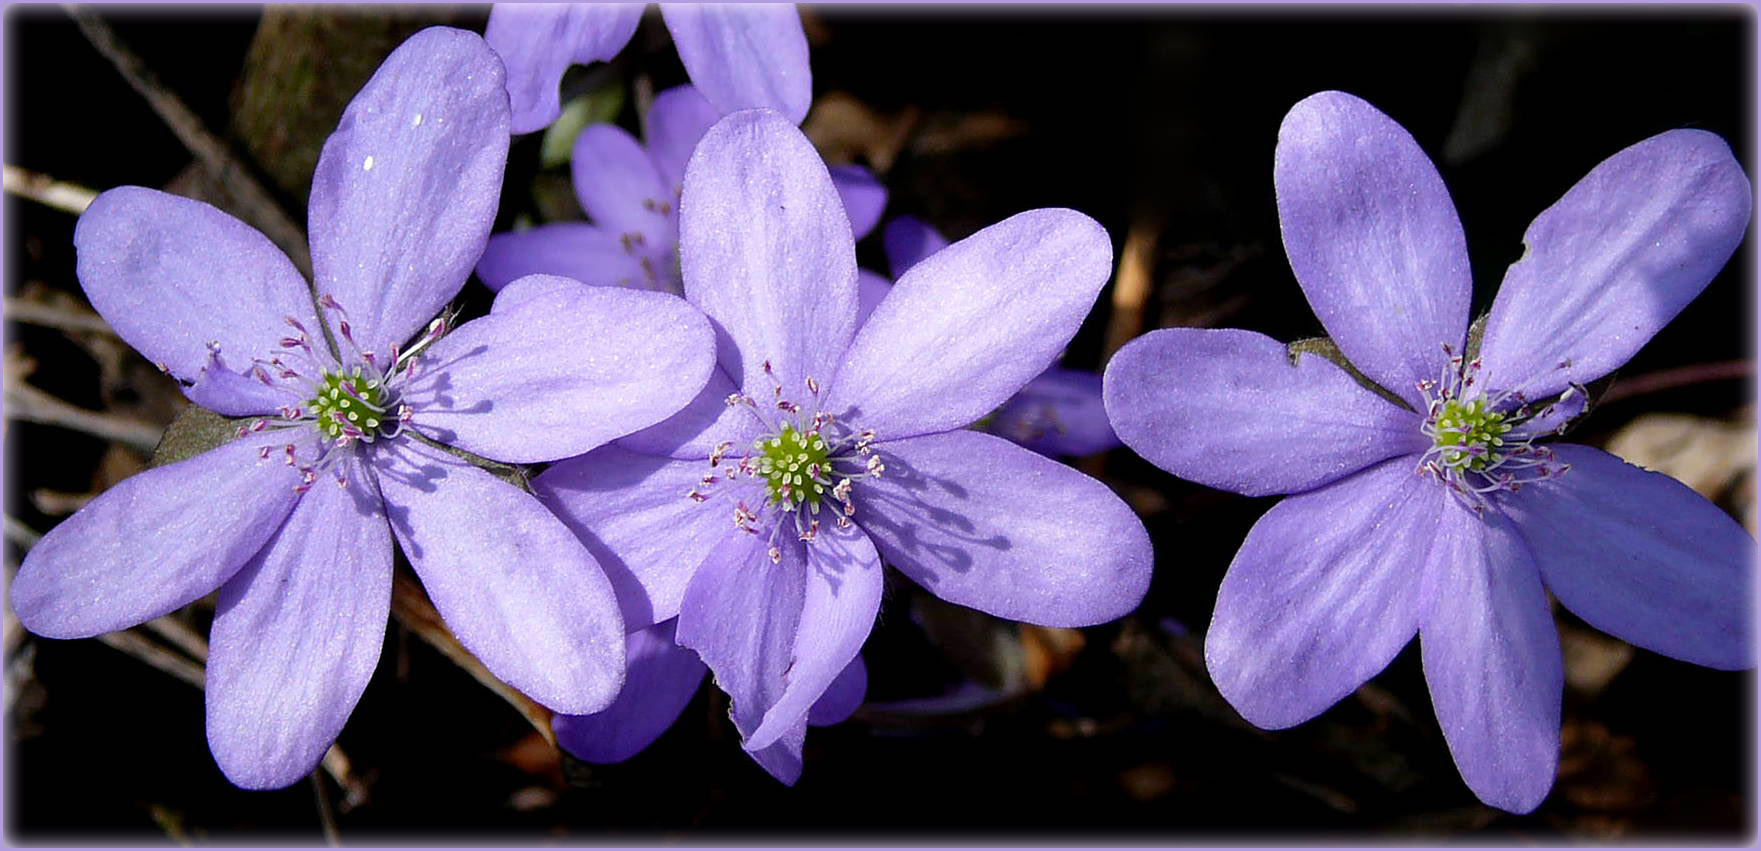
(1333, 798)
(43, 189)
(171, 822)
(48, 316)
(1132, 286)
(336, 763)
(149, 651)
(21, 536)
(354, 789)
(326, 818)
(256, 204)
(1681, 376)
(27, 403)
(59, 503)
(179, 633)
(12, 638)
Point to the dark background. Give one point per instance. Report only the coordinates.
(1160, 123)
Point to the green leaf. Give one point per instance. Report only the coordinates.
(195, 431)
(600, 105)
(1475, 333)
(513, 474)
(304, 65)
(1325, 347)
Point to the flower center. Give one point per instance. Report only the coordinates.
(805, 462)
(1468, 436)
(1473, 449)
(344, 405)
(348, 399)
(794, 466)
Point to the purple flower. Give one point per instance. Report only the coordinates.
(739, 56)
(1058, 412)
(293, 520)
(1442, 515)
(631, 192)
(759, 516)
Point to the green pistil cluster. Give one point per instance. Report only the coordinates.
(1464, 425)
(333, 399)
(790, 460)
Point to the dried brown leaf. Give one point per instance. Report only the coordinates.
(845, 129)
(1707, 455)
(409, 604)
(1602, 771)
(1592, 659)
